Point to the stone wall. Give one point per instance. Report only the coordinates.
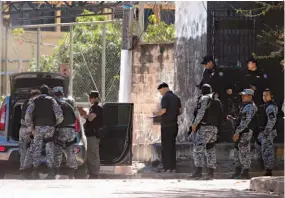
(190, 47)
(152, 64)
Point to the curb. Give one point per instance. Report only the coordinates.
(268, 184)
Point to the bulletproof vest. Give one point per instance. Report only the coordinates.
(252, 124)
(262, 116)
(68, 114)
(43, 113)
(214, 112)
(24, 109)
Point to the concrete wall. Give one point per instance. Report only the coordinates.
(191, 41)
(152, 64)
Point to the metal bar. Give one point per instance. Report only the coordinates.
(71, 61)
(65, 24)
(63, 8)
(62, 17)
(103, 63)
(38, 49)
(6, 60)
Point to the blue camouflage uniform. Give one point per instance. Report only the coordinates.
(24, 142)
(43, 132)
(204, 135)
(242, 154)
(66, 137)
(264, 144)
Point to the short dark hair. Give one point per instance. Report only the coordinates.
(162, 85)
(44, 89)
(268, 90)
(35, 93)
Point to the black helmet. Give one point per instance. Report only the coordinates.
(206, 89)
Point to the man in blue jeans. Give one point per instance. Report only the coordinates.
(170, 110)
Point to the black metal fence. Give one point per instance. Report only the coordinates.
(231, 37)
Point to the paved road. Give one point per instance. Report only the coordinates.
(135, 188)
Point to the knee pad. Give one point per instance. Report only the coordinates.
(210, 145)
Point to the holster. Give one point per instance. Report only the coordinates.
(64, 144)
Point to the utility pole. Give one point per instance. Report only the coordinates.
(126, 54)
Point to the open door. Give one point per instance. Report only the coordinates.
(116, 146)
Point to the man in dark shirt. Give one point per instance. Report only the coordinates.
(171, 109)
(252, 78)
(94, 121)
(213, 75)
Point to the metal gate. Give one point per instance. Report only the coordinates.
(231, 37)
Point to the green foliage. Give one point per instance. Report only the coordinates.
(87, 55)
(18, 31)
(2, 99)
(270, 38)
(47, 64)
(158, 32)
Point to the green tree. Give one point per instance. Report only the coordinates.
(87, 57)
(270, 37)
(158, 32)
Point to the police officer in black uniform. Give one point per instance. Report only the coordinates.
(214, 76)
(252, 78)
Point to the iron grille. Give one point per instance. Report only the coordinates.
(231, 37)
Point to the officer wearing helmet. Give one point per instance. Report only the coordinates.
(245, 125)
(208, 116)
(66, 137)
(43, 114)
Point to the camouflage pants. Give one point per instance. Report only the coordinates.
(24, 142)
(204, 136)
(93, 157)
(41, 133)
(242, 154)
(65, 135)
(266, 148)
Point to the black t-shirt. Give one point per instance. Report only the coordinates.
(172, 104)
(97, 123)
(215, 78)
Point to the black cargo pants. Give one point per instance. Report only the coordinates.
(168, 146)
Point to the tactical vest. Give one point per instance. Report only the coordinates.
(262, 116)
(43, 113)
(68, 114)
(252, 124)
(24, 109)
(214, 113)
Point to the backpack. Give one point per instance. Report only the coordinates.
(214, 112)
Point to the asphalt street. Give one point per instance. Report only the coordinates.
(132, 188)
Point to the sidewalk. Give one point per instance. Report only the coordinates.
(268, 184)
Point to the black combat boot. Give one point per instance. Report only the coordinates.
(236, 174)
(210, 174)
(268, 172)
(71, 173)
(244, 175)
(51, 173)
(93, 176)
(197, 173)
(35, 173)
